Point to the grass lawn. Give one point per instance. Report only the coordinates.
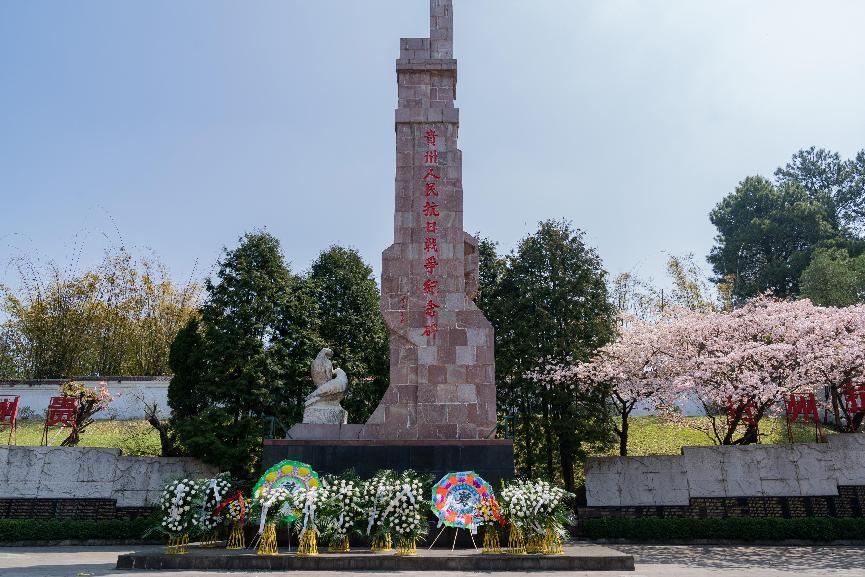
(654, 436)
(647, 436)
(133, 437)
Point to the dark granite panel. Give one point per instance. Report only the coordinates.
(493, 460)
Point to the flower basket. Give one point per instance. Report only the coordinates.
(308, 545)
(516, 541)
(382, 543)
(339, 510)
(177, 545)
(237, 537)
(553, 542)
(339, 544)
(406, 546)
(267, 543)
(492, 545)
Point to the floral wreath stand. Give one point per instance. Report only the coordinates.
(456, 499)
(293, 475)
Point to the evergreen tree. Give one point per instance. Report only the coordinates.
(352, 325)
(766, 235)
(548, 302)
(186, 359)
(258, 334)
(834, 278)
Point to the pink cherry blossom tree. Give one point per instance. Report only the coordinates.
(832, 355)
(632, 369)
(738, 366)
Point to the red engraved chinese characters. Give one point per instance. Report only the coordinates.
(431, 309)
(431, 209)
(431, 264)
(430, 243)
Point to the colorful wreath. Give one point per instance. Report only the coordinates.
(290, 475)
(457, 497)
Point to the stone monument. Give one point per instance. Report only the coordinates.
(322, 405)
(442, 375)
(440, 408)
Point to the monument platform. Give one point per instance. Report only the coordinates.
(493, 459)
(578, 557)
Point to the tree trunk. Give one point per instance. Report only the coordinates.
(836, 408)
(548, 440)
(527, 427)
(623, 434)
(166, 446)
(567, 464)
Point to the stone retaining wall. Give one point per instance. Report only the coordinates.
(39, 479)
(808, 479)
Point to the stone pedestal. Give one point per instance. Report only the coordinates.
(327, 415)
(493, 459)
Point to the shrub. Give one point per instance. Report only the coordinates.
(63, 529)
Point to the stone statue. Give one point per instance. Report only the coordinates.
(322, 405)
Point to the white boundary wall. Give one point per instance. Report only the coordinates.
(129, 393)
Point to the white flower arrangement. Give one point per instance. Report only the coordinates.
(234, 511)
(274, 502)
(374, 498)
(535, 506)
(304, 501)
(404, 499)
(340, 507)
(176, 503)
(212, 493)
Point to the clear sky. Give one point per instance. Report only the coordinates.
(185, 123)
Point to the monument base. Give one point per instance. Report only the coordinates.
(577, 557)
(493, 459)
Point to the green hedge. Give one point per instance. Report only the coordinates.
(61, 530)
(734, 528)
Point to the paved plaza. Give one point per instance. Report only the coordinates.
(652, 560)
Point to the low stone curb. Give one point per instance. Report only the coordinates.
(80, 542)
(349, 562)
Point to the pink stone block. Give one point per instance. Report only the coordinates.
(457, 413)
(447, 394)
(457, 374)
(468, 431)
(433, 432)
(485, 355)
(467, 393)
(407, 394)
(432, 413)
(426, 394)
(437, 374)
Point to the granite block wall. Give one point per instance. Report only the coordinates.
(808, 479)
(73, 478)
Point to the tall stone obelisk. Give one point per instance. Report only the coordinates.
(442, 377)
